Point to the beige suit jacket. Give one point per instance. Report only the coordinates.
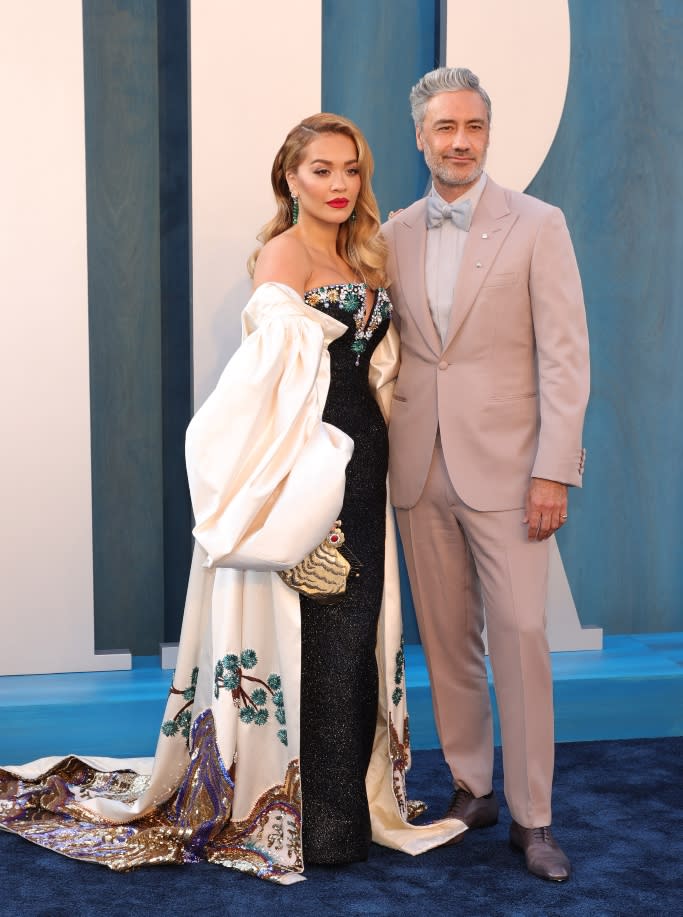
(508, 390)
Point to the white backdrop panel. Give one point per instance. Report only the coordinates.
(46, 599)
(520, 51)
(255, 72)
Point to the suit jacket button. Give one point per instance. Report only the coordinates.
(443, 365)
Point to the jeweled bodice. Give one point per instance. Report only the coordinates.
(350, 404)
(349, 300)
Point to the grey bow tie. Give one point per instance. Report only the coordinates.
(460, 212)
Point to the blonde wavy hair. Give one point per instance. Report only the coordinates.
(359, 242)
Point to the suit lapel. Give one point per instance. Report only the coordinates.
(491, 223)
(411, 243)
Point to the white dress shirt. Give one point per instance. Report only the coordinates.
(445, 247)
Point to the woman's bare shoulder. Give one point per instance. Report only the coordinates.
(283, 259)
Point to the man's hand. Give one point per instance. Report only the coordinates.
(546, 508)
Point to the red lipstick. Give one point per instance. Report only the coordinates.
(338, 203)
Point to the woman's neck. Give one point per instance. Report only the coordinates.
(320, 238)
(327, 265)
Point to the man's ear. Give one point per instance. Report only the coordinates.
(418, 140)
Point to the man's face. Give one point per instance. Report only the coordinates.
(454, 138)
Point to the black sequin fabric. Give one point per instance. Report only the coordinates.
(339, 681)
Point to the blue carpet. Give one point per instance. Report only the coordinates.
(618, 814)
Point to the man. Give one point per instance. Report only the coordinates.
(485, 438)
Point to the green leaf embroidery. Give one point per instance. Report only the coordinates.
(248, 659)
(252, 702)
(398, 675)
(182, 720)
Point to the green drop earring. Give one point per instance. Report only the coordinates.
(295, 209)
(353, 216)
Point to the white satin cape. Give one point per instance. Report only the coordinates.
(267, 479)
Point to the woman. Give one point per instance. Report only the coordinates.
(275, 698)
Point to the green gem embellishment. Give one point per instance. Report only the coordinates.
(396, 696)
(351, 303)
(282, 736)
(274, 682)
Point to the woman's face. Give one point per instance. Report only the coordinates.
(327, 181)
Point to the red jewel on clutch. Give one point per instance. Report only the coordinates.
(334, 538)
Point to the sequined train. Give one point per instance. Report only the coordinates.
(194, 824)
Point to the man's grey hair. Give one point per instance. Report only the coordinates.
(444, 79)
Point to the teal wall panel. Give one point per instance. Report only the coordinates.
(616, 170)
(394, 43)
(176, 308)
(122, 169)
(373, 53)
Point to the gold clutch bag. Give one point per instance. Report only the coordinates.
(323, 573)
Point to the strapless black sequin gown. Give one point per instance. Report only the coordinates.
(339, 681)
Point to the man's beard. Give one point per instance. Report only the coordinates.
(447, 179)
(443, 175)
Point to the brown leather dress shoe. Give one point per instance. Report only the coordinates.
(475, 811)
(544, 856)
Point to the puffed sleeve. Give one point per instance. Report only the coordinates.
(266, 474)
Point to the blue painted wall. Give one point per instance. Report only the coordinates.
(373, 53)
(398, 41)
(616, 169)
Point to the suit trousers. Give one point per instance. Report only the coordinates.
(460, 562)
